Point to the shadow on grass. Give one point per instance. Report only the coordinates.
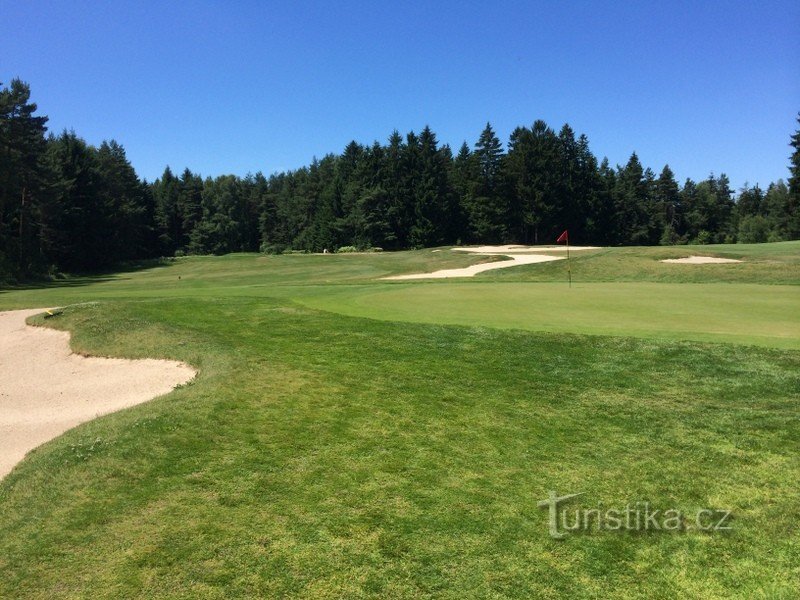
(115, 273)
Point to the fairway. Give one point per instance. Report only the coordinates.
(351, 437)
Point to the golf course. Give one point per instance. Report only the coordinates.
(348, 435)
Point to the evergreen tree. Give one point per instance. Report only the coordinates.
(409, 178)
(794, 162)
(432, 195)
(534, 163)
(464, 180)
(79, 230)
(585, 190)
(375, 204)
(487, 211)
(567, 209)
(123, 200)
(750, 201)
(24, 180)
(219, 231)
(65, 204)
(667, 207)
(189, 206)
(779, 211)
(392, 182)
(792, 226)
(692, 222)
(630, 199)
(166, 192)
(714, 210)
(601, 226)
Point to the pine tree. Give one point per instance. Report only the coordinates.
(794, 162)
(24, 180)
(392, 181)
(601, 227)
(752, 225)
(631, 200)
(587, 189)
(534, 171)
(433, 200)
(693, 221)
(166, 192)
(667, 209)
(792, 228)
(777, 210)
(124, 202)
(488, 211)
(489, 152)
(750, 201)
(464, 179)
(219, 231)
(567, 182)
(81, 232)
(189, 205)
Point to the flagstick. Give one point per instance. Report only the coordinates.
(569, 269)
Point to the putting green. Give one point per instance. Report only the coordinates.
(735, 313)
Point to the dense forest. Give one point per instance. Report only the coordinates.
(67, 206)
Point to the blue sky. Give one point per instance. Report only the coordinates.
(238, 87)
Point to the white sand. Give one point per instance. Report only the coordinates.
(45, 389)
(518, 255)
(508, 250)
(516, 259)
(700, 260)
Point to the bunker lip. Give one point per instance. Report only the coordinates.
(518, 255)
(46, 389)
(700, 260)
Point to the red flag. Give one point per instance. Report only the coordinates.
(564, 237)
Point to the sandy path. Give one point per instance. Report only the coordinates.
(45, 389)
(518, 255)
(700, 260)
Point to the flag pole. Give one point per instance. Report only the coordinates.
(569, 269)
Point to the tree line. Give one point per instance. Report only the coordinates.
(68, 206)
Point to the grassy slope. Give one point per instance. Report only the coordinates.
(321, 455)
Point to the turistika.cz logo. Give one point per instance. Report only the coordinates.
(640, 516)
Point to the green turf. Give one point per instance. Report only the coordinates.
(762, 263)
(617, 291)
(737, 313)
(324, 455)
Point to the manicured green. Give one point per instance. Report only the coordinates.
(323, 455)
(738, 313)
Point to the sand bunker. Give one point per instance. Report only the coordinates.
(475, 269)
(518, 255)
(700, 260)
(509, 250)
(45, 389)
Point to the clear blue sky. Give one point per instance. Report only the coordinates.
(237, 87)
